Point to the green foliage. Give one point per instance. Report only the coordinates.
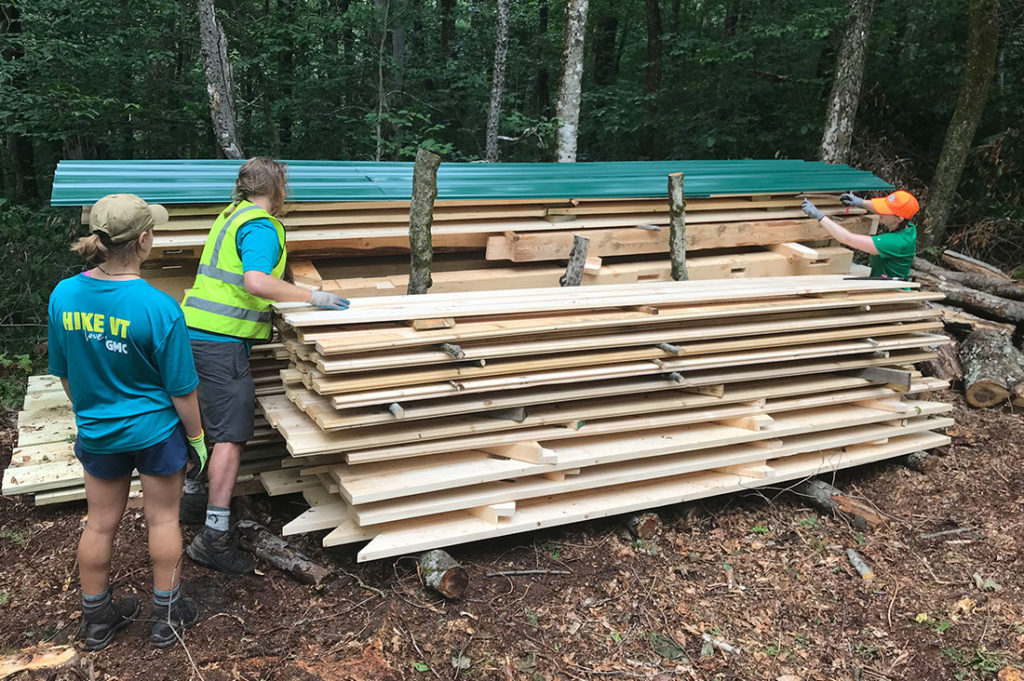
(18, 537)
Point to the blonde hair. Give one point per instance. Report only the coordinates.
(262, 176)
(97, 248)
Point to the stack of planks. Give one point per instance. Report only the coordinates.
(518, 244)
(44, 463)
(425, 421)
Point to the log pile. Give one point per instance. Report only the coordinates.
(982, 309)
(424, 421)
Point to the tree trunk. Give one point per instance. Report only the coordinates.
(975, 301)
(421, 217)
(398, 47)
(571, 89)
(652, 77)
(962, 322)
(443, 574)
(1006, 288)
(964, 263)
(447, 28)
(543, 82)
(381, 9)
(982, 46)
(497, 80)
(606, 29)
(992, 368)
(219, 82)
(842, 106)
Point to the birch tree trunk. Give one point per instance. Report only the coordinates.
(571, 89)
(498, 80)
(982, 43)
(219, 82)
(842, 105)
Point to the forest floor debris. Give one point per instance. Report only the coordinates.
(763, 573)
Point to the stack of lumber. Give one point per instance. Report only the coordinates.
(519, 245)
(44, 464)
(504, 225)
(423, 421)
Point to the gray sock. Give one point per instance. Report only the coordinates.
(217, 518)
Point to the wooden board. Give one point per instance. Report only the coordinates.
(460, 527)
(548, 300)
(631, 471)
(536, 246)
(389, 336)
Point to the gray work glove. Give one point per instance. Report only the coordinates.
(811, 210)
(328, 301)
(849, 199)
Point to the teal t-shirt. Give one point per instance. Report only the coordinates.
(259, 250)
(124, 349)
(896, 252)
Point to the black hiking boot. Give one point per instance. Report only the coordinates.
(216, 549)
(170, 621)
(100, 625)
(192, 510)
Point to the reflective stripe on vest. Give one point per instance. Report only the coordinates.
(215, 272)
(228, 310)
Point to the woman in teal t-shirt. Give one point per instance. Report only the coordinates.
(892, 252)
(121, 350)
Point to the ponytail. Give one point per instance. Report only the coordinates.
(92, 248)
(97, 248)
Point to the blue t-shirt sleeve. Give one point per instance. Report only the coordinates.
(58, 359)
(258, 246)
(173, 359)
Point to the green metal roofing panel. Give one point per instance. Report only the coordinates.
(78, 183)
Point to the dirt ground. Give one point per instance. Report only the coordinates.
(763, 573)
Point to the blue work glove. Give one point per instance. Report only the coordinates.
(849, 199)
(328, 301)
(197, 452)
(811, 210)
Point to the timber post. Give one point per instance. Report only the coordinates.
(421, 217)
(677, 227)
(577, 261)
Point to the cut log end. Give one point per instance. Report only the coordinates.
(986, 393)
(442, 573)
(644, 525)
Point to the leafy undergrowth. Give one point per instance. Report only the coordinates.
(762, 574)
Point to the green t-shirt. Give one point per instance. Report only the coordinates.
(895, 252)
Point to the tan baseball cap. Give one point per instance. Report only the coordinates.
(124, 217)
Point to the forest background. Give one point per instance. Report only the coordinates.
(377, 79)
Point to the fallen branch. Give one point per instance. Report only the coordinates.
(266, 545)
(976, 301)
(831, 500)
(858, 563)
(513, 573)
(443, 574)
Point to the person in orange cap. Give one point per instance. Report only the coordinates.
(892, 251)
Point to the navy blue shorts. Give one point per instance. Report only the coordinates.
(163, 458)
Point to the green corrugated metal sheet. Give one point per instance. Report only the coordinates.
(210, 181)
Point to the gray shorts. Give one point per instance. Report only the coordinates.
(227, 395)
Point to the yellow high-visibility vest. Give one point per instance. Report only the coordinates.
(219, 302)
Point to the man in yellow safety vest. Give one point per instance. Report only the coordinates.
(226, 311)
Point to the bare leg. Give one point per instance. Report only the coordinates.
(222, 472)
(160, 495)
(106, 499)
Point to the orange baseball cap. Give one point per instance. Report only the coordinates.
(901, 203)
